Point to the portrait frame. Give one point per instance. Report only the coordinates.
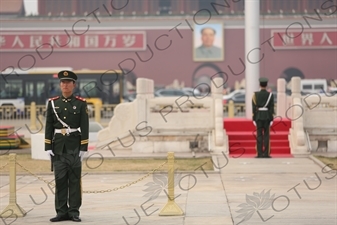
(219, 42)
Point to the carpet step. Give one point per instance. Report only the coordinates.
(251, 150)
(242, 137)
(242, 124)
(252, 143)
(253, 156)
(252, 136)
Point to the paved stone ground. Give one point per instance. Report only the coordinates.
(303, 193)
(276, 191)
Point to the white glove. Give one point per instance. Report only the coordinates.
(50, 153)
(271, 123)
(81, 155)
(254, 123)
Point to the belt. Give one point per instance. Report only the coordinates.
(263, 109)
(65, 131)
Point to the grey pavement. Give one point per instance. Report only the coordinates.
(303, 193)
(293, 191)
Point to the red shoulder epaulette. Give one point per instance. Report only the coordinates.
(53, 98)
(80, 98)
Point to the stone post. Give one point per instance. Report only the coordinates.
(230, 109)
(145, 89)
(219, 134)
(97, 112)
(298, 141)
(171, 208)
(33, 116)
(281, 98)
(13, 209)
(295, 93)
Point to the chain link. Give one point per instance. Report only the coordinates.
(129, 184)
(34, 175)
(2, 167)
(96, 191)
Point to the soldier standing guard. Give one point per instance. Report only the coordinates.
(263, 115)
(66, 141)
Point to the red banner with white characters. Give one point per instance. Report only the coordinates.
(68, 41)
(304, 39)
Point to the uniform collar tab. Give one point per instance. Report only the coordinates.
(67, 99)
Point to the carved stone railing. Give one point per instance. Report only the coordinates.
(165, 124)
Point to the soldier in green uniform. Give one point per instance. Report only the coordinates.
(263, 115)
(66, 141)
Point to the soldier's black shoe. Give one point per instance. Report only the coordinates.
(267, 156)
(258, 156)
(59, 218)
(75, 218)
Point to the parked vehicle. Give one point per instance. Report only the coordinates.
(241, 98)
(314, 85)
(191, 91)
(237, 98)
(169, 92)
(39, 84)
(233, 93)
(333, 91)
(130, 97)
(5, 104)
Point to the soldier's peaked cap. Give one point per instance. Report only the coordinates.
(263, 80)
(67, 75)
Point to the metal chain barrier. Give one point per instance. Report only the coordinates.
(95, 191)
(2, 167)
(34, 175)
(129, 184)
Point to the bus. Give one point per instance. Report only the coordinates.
(39, 84)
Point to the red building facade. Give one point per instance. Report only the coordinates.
(172, 7)
(161, 48)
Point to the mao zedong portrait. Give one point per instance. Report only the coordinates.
(207, 50)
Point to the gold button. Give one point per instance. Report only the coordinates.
(65, 108)
(64, 117)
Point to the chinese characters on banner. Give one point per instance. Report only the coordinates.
(302, 39)
(58, 41)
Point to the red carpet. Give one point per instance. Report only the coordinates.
(242, 137)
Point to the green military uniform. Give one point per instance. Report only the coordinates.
(263, 114)
(66, 133)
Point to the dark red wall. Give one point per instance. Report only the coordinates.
(79, 7)
(176, 62)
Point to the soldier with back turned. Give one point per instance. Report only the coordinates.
(263, 115)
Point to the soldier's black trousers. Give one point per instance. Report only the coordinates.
(263, 138)
(68, 193)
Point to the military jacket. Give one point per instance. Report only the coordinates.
(259, 100)
(72, 111)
